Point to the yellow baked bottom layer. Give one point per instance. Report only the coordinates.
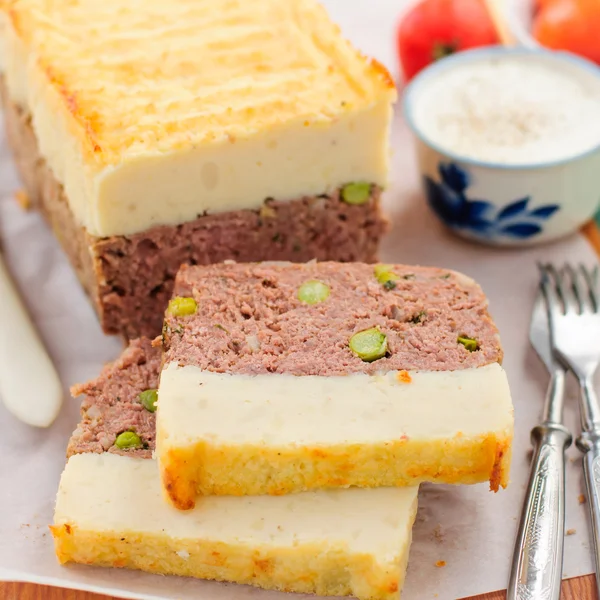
(205, 469)
(310, 569)
(110, 512)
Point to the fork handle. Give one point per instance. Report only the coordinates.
(536, 570)
(589, 444)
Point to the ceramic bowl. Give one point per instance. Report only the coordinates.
(500, 204)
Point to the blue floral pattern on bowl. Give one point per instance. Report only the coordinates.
(449, 200)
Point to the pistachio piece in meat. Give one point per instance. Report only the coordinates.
(128, 440)
(471, 344)
(369, 345)
(356, 193)
(182, 306)
(148, 399)
(385, 276)
(313, 292)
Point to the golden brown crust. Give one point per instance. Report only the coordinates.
(313, 572)
(179, 490)
(226, 471)
(501, 469)
(304, 66)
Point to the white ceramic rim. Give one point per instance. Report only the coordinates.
(472, 56)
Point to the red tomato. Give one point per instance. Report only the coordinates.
(572, 25)
(433, 29)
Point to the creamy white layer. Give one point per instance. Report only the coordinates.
(111, 493)
(150, 170)
(197, 405)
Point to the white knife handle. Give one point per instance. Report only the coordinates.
(29, 385)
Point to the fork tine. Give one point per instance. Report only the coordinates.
(577, 288)
(566, 288)
(548, 281)
(591, 279)
(558, 288)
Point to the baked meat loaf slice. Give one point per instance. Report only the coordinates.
(281, 378)
(111, 512)
(165, 137)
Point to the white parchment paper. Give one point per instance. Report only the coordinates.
(469, 528)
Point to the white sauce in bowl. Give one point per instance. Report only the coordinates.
(510, 109)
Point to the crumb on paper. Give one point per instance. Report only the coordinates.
(571, 531)
(438, 534)
(581, 499)
(440, 563)
(23, 199)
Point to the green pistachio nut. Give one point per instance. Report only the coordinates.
(385, 275)
(148, 399)
(182, 306)
(128, 440)
(471, 344)
(369, 345)
(356, 193)
(313, 292)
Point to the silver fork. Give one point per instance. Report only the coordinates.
(536, 570)
(574, 315)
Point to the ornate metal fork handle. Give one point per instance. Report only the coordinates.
(537, 560)
(589, 443)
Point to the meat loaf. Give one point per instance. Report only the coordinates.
(257, 134)
(110, 510)
(280, 378)
(130, 278)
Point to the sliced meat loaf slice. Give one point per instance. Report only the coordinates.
(282, 378)
(111, 511)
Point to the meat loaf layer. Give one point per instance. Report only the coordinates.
(250, 320)
(130, 278)
(112, 405)
(110, 511)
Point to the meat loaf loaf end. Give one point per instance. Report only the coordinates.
(268, 142)
(110, 509)
(280, 378)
